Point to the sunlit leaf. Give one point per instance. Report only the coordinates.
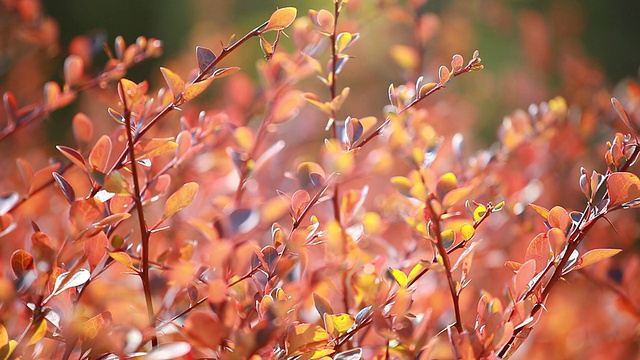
(444, 75)
(446, 183)
(539, 250)
(299, 200)
(77, 279)
(99, 155)
(623, 187)
(305, 338)
(448, 237)
(353, 354)
(223, 72)
(467, 231)
(399, 276)
(175, 82)
(82, 128)
(338, 324)
(39, 332)
(93, 327)
(195, 89)
(148, 149)
(8, 201)
(21, 262)
(180, 199)
(559, 217)
(457, 62)
(594, 256)
(122, 258)
(173, 350)
(540, 210)
(281, 19)
(456, 195)
(72, 155)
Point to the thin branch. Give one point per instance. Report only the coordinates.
(144, 232)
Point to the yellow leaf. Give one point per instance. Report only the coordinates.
(540, 210)
(281, 19)
(123, 258)
(304, 338)
(402, 184)
(446, 183)
(196, 89)
(415, 271)
(455, 195)
(180, 199)
(175, 82)
(593, 256)
(4, 337)
(467, 231)
(399, 277)
(7, 350)
(147, 149)
(40, 332)
(479, 212)
(338, 324)
(405, 56)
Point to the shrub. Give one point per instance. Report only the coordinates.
(273, 225)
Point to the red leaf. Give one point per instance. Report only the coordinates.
(21, 262)
(593, 256)
(99, 155)
(539, 250)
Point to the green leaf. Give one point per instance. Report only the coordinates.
(281, 19)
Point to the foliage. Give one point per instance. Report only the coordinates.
(235, 231)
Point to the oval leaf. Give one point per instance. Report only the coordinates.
(623, 187)
(180, 199)
(77, 279)
(281, 19)
(593, 256)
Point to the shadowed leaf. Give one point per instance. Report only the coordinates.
(180, 199)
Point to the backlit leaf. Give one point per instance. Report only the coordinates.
(303, 338)
(8, 201)
(196, 89)
(559, 218)
(180, 199)
(424, 89)
(539, 250)
(73, 155)
(99, 155)
(92, 327)
(467, 231)
(593, 256)
(402, 184)
(622, 113)
(444, 75)
(21, 262)
(299, 201)
(448, 237)
(457, 62)
(122, 258)
(540, 210)
(623, 187)
(148, 149)
(338, 324)
(223, 72)
(175, 82)
(399, 276)
(456, 195)
(281, 19)
(82, 128)
(446, 183)
(39, 333)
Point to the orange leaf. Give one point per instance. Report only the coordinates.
(180, 199)
(21, 261)
(99, 155)
(196, 89)
(559, 218)
(175, 82)
(91, 328)
(147, 149)
(304, 338)
(72, 155)
(95, 248)
(593, 256)
(623, 187)
(539, 250)
(281, 19)
(540, 210)
(82, 128)
(200, 320)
